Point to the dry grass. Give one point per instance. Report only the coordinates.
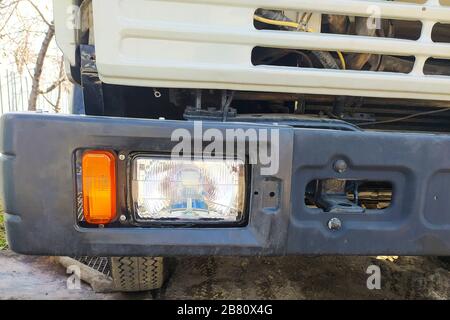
(3, 243)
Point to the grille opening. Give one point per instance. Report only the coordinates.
(412, 1)
(336, 24)
(441, 33)
(297, 58)
(361, 26)
(437, 67)
(357, 196)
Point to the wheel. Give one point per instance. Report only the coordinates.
(445, 261)
(132, 274)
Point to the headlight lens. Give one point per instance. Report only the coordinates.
(197, 191)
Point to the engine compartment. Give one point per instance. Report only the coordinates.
(365, 109)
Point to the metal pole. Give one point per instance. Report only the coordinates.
(7, 90)
(1, 95)
(15, 91)
(21, 93)
(27, 88)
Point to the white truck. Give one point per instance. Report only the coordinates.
(337, 113)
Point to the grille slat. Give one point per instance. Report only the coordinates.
(100, 264)
(218, 37)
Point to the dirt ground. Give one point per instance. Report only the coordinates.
(244, 278)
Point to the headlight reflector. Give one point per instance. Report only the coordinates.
(196, 191)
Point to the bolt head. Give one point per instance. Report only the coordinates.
(123, 218)
(334, 224)
(121, 157)
(340, 166)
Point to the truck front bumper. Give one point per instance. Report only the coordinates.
(38, 190)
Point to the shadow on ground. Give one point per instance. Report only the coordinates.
(245, 278)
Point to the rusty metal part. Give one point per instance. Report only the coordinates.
(356, 61)
(338, 24)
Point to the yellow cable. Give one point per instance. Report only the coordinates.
(297, 26)
(290, 24)
(341, 57)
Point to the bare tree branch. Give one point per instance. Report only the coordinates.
(15, 4)
(38, 68)
(57, 84)
(23, 24)
(40, 13)
(54, 85)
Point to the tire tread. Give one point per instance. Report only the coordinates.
(133, 274)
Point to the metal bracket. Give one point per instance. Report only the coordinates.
(212, 114)
(90, 82)
(332, 198)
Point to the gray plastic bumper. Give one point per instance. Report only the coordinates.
(39, 194)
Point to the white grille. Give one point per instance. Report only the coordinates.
(209, 43)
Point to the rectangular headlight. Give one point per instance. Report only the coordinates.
(188, 191)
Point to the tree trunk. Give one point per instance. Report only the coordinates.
(38, 68)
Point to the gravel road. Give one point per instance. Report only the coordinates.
(245, 278)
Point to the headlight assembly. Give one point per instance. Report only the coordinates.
(188, 191)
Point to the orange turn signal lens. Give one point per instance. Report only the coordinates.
(99, 186)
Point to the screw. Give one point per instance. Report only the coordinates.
(340, 166)
(123, 218)
(121, 157)
(334, 224)
(157, 93)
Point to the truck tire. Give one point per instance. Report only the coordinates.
(445, 261)
(133, 274)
